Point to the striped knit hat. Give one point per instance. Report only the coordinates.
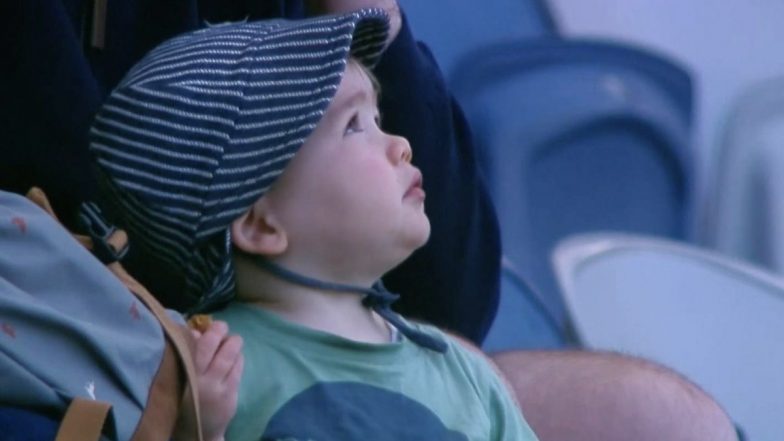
(200, 128)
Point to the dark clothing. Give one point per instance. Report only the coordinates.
(57, 81)
(453, 281)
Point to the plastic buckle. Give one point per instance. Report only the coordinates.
(101, 233)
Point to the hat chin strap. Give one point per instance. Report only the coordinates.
(377, 297)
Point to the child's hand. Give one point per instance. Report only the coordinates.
(218, 361)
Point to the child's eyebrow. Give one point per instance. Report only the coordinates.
(357, 98)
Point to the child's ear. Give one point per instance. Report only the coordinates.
(258, 232)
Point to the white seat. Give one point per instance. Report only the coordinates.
(454, 28)
(718, 321)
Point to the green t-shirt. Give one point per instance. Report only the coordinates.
(302, 384)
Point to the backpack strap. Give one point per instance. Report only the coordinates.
(111, 244)
(83, 421)
(175, 334)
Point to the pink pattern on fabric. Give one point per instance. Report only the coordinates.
(8, 330)
(20, 222)
(134, 311)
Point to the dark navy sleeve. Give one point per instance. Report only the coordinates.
(453, 281)
(54, 82)
(48, 99)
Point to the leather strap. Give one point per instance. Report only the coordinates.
(83, 421)
(176, 335)
(98, 34)
(164, 401)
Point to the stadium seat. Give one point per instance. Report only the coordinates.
(523, 320)
(715, 319)
(746, 210)
(451, 28)
(577, 136)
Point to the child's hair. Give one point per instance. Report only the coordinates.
(201, 127)
(353, 62)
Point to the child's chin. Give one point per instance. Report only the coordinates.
(419, 236)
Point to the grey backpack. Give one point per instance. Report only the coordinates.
(82, 339)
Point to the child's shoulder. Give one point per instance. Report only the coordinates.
(459, 349)
(464, 363)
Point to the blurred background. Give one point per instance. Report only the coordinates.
(728, 46)
(634, 150)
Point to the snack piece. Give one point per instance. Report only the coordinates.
(200, 322)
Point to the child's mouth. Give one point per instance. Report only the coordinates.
(415, 188)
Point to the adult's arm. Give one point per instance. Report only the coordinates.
(586, 396)
(453, 281)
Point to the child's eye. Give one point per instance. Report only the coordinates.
(353, 125)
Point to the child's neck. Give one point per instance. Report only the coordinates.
(339, 313)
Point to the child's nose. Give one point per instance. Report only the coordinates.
(399, 149)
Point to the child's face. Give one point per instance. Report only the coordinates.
(350, 197)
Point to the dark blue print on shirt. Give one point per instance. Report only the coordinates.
(344, 411)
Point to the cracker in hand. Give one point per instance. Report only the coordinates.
(200, 322)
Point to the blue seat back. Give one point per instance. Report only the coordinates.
(577, 136)
(451, 28)
(523, 320)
